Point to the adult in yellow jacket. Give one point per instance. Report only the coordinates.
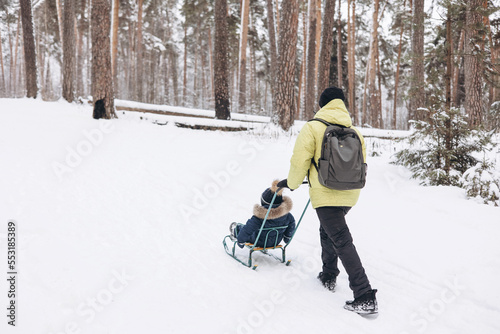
(331, 205)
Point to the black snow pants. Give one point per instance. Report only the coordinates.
(336, 242)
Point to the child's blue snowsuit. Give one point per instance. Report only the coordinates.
(279, 216)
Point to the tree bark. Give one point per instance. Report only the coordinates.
(211, 63)
(102, 81)
(417, 90)
(473, 68)
(456, 71)
(80, 59)
(60, 21)
(447, 80)
(340, 80)
(373, 92)
(310, 103)
(245, 13)
(184, 80)
(285, 83)
(114, 43)
(2, 81)
(13, 69)
(318, 39)
(221, 80)
(351, 42)
(325, 53)
(69, 51)
(272, 41)
(140, 56)
(394, 112)
(302, 77)
(11, 62)
(29, 49)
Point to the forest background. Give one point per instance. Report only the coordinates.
(396, 60)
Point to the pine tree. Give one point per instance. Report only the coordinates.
(417, 91)
(102, 81)
(69, 51)
(285, 83)
(221, 82)
(325, 52)
(29, 49)
(473, 60)
(310, 98)
(245, 14)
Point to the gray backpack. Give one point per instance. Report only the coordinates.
(341, 166)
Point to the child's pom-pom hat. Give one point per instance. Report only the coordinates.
(267, 196)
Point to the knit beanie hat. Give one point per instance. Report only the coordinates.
(329, 94)
(267, 196)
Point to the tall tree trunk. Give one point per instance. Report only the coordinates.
(175, 76)
(140, 53)
(495, 60)
(310, 103)
(449, 53)
(447, 80)
(60, 21)
(80, 60)
(417, 90)
(114, 43)
(473, 68)
(69, 51)
(285, 83)
(11, 63)
(277, 20)
(272, 41)
(16, 56)
(102, 81)
(195, 95)
(29, 49)
(184, 80)
(131, 61)
(245, 13)
(318, 39)
(302, 79)
(3, 89)
(340, 82)
(221, 80)
(456, 71)
(325, 53)
(394, 112)
(373, 91)
(351, 67)
(211, 63)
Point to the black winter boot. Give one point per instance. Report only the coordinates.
(365, 304)
(329, 281)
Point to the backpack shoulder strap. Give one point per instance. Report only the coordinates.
(325, 122)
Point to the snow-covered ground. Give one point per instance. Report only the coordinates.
(120, 226)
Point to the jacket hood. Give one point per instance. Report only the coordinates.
(335, 112)
(286, 206)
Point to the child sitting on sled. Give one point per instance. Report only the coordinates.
(279, 216)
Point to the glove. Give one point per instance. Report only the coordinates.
(283, 184)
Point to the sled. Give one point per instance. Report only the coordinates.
(268, 244)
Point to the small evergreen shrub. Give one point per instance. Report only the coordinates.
(443, 151)
(482, 181)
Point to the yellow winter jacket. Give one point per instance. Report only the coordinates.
(308, 145)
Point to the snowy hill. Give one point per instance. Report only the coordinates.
(120, 226)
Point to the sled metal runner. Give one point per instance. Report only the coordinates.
(231, 251)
